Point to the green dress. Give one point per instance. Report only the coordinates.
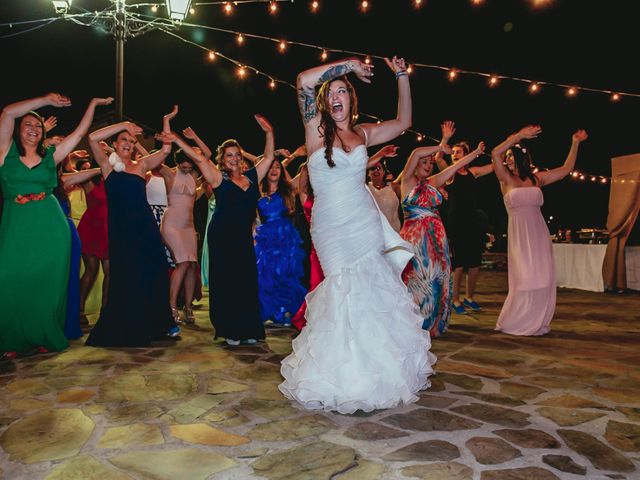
(35, 246)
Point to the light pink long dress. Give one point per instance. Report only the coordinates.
(177, 227)
(531, 301)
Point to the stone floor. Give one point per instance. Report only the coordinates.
(563, 406)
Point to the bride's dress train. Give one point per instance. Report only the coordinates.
(363, 347)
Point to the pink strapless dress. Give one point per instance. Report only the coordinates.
(531, 301)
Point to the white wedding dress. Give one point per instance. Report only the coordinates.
(363, 347)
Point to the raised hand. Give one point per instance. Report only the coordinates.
(445, 148)
(448, 129)
(480, 148)
(102, 101)
(580, 136)
(166, 137)
(57, 100)
(389, 151)
(282, 152)
(396, 64)
(264, 123)
(133, 129)
(531, 131)
(362, 70)
(50, 123)
(189, 133)
(170, 116)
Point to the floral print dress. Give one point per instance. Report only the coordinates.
(428, 275)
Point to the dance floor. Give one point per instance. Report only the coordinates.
(565, 406)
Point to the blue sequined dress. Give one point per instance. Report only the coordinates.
(280, 258)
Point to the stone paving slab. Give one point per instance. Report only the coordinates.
(562, 406)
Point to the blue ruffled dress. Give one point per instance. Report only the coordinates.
(280, 258)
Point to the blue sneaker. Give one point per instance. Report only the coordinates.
(471, 304)
(173, 332)
(459, 309)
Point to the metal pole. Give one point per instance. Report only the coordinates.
(120, 32)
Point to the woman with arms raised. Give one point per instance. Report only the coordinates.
(362, 348)
(531, 301)
(35, 241)
(234, 307)
(137, 310)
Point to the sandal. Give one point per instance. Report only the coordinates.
(189, 317)
(176, 316)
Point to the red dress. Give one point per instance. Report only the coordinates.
(93, 228)
(317, 274)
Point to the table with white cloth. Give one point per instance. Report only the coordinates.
(580, 266)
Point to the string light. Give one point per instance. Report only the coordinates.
(192, 11)
(572, 92)
(367, 60)
(364, 5)
(240, 39)
(228, 8)
(272, 84)
(282, 46)
(452, 74)
(324, 55)
(581, 177)
(212, 55)
(477, 2)
(419, 138)
(493, 80)
(417, 3)
(409, 69)
(615, 97)
(314, 6)
(154, 8)
(534, 88)
(273, 8)
(603, 180)
(242, 72)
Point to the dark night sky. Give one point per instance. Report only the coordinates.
(586, 43)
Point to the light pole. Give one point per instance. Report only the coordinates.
(120, 28)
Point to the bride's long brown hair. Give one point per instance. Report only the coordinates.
(328, 128)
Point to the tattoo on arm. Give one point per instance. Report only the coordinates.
(307, 103)
(336, 71)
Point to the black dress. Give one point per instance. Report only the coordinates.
(463, 228)
(137, 310)
(234, 307)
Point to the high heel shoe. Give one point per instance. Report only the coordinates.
(189, 317)
(176, 316)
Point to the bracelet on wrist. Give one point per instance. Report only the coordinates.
(401, 73)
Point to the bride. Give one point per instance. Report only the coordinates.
(363, 347)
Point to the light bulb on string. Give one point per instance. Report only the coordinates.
(534, 87)
(314, 6)
(192, 11)
(228, 8)
(282, 46)
(593, 178)
(364, 5)
(536, 170)
(409, 69)
(419, 138)
(154, 8)
(615, 97)
(324, 55)
(417, 3)
(273, 8)
(240, 39)
(574, 174)
(367, 60)
(477, 2)
(603, 180)
(572, 92)
(242, 72)
(452, 75)
(272, 84)
(212, 55)
(581, 177)
(493, 80)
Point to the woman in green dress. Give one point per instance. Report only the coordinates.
(34, 235)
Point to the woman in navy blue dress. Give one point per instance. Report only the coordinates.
(233, 278)
(279, 250)
(137, 310)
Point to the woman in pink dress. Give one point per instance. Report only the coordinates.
(531, 301)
